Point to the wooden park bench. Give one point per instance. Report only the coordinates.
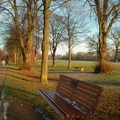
(79, 69)
(73, 98)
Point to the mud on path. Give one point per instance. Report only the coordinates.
(15, 110)
(22, 111)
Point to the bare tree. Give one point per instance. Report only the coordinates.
(57, 30)
(115, 37)
(37, 40)
(107, 13)
(12, 45)
(93, 45)
(75, 26)
(47, 11)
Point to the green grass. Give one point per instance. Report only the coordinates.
(22, 86)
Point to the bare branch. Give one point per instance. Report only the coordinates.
(112, 9)
(60, 5)
(111, 23)
(8, 11)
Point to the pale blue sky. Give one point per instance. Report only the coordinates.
(79, 48)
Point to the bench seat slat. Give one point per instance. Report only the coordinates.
(58, 104)
(77, 113)
(61, 108)
(80, 103)
(83, 101)
(65, 106)
(80, 111)
(52, 105)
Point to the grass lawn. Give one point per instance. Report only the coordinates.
(23, 85)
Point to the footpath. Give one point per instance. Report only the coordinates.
(2, 86)
(14, 110)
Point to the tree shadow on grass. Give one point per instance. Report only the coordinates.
(17, 71)
(30, 75)
(9, 68)
(53, 79)
(106, 83)
(22, 94)
(20, 78)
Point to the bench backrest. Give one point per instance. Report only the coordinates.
(84, 93)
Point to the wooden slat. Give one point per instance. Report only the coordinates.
(52, 105)
(66, 86)
(78, 101)
(90, 92)
(83, 101)
(62, 105)
(94, 91)
(71, 109)
(84, 112)
(90, 99)
(83, 86)
(65, 91)
(58, 104)
(87, 93)
(83, 82)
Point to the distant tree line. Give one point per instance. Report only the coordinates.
(81, 56)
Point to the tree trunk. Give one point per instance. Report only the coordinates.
(15, 56)
(69, 59)
(53, 58)
(116, 55)
(69, 43)
(102, 46)
(45, 43)
(27, 53)
(27, 62)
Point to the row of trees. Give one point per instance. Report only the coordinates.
(31, 22)
(113, 48)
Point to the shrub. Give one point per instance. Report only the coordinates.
(103, 68)
(26, 67)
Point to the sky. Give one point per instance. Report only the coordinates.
(62, 49)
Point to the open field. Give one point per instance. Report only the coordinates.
(22, 86)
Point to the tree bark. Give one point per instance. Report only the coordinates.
(69, 59)
(116, 54)
(69, 43)
(53, 58)
(102, 45)
(45, 43)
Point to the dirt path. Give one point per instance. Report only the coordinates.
(15, 110)
(2, 83)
